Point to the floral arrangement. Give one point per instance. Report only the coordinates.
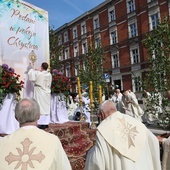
(60, 83)
(9, 82)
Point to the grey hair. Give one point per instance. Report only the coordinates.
(107, 107)
(27, 110)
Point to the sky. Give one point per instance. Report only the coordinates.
(64, 11)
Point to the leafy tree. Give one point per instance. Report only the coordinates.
(92, 69)
(157, 79)
(55, 49)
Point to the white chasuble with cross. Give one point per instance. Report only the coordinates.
(32, 149)
(123, 143)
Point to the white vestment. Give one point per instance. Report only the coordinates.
(166, 154)
(123, 143)
(117, 99)
(72, 106)
(132, 109)
(86, 106)
(42, 89)
(32, 148)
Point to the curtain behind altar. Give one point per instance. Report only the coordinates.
(8, 123)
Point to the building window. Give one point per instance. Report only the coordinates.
(97, 42)
(96, 23)
(84, 66)
(84, 48)
(154, 19)
(112, 15)
(74, 33)
(155, 53)
(77, 67)
(68, 74)
(130, 6)
(83, 29)
(65, 37)
(61, 56)
(132, 30)
(135, 56)
(136, 83)
(66, 53)
(113, 37)
(75, 50)
(115, 61)
(59, 40)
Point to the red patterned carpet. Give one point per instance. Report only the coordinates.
(77, 138)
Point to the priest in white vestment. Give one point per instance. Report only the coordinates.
(131, 105)
(165, 142)
(117, 99)
(85, 104)
(123, 143)
(29, 147)
(42, 91)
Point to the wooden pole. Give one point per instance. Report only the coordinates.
(100, 94)
(91, 94)
(79, 90)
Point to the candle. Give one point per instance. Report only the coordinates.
(91, 94)
(100, 94)
(79, 89)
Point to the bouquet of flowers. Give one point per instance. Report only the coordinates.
(9, 82)
(60, 83)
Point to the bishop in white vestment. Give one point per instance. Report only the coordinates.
(123, 143)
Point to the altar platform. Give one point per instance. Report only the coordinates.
(77, 138)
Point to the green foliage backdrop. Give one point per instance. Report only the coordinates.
(157, 79)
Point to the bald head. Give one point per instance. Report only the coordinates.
(117, 90)
(107, 108)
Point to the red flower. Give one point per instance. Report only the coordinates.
(60, 83)
(9, 81)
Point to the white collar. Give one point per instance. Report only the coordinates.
(28, 127)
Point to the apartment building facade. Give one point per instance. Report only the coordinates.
(120, 26)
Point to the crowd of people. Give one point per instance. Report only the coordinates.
(123, 142)
(126, 101)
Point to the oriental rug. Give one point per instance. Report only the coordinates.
(77, 138)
